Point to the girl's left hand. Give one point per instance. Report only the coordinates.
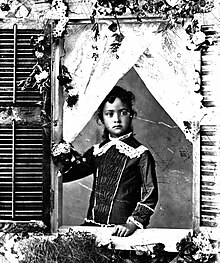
(124, 230)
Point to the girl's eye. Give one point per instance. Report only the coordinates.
(125, 113)
(109, 114)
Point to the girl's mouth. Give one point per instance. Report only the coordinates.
(117, 127)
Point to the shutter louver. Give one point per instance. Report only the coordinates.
(210, 175)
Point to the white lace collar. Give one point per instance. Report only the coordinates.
(120, 146)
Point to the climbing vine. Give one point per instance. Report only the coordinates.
(40, 76)
(174, 13)
(59, 12)
(65, 80)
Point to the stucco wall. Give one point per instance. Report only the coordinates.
(172, 153)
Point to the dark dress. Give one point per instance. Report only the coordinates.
(124, 185)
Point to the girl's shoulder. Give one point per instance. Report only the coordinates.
(133, 142)
(136, 147)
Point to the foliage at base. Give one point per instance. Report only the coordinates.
(84, 247)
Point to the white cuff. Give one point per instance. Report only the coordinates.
(131, 219)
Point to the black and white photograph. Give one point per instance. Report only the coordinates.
(109, 131)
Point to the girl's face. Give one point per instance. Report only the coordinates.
(116, 117)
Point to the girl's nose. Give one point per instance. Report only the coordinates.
(117, 117)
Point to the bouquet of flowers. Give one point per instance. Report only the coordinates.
(64, 153)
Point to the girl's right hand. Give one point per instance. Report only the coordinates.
(124, 230)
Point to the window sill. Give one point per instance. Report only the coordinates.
(142, 237)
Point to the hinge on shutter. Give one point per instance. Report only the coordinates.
(51, 199)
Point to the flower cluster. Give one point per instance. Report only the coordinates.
(59, 11)
(10, 248)
(4, 7)
(197, 39)
(16, 246)
(64, 153)
(65, 80)
(42, 76)
(111, 8)
(41, 45)
(174, 12)
(13, 237)
(39, 78)
(196, 248)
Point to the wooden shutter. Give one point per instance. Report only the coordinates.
(24, 145)
(210, 175)
(210, 69)
(210, 134)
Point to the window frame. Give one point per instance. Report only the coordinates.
(57, 98)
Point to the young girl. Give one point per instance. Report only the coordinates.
(125, 192)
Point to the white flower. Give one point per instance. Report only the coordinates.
(39, 54)
(61, 148)
(103, 240)
(40, 38)
(37, 223)
(191, 46)
(43, 75)
(9, 242)
(72, 92)
(11, 257)
(172, 2)
(60, 27)
(198, 38)
(41, 224)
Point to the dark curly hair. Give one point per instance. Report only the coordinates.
(127, 97)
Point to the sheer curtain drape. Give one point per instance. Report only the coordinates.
(161, 60)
